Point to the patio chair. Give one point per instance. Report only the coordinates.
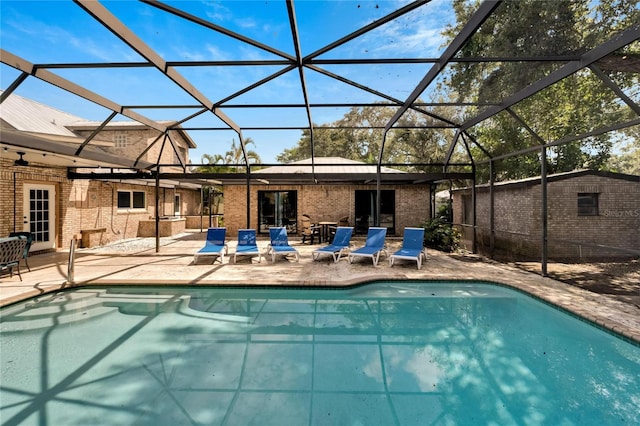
(247, 245)
(29, 236)
(340, 244)
(11, 252)
(214, 246)
(412, 247)
(310, 231)
(279, 244)
(373, 246)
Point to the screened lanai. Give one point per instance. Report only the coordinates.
(449, 92)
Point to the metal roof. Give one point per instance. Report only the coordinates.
(31, 116)
(328, 165)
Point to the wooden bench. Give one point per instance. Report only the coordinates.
(89, 237)
(11, 252)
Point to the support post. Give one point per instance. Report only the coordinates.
(378, 194)
(474, 242)
(158, 211)
(492, 227)
(543, 184)
(249, 198)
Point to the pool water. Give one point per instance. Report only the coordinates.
(390, 353)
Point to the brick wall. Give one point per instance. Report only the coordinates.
(83, 204)
(518, 210)
(326, 203)
(12, 179)
(138, 140)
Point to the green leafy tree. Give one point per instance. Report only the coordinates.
(534, 28)
(628, 161)
(359, 137)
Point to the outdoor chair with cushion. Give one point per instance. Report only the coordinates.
(310, 231)
(11, 252)
(247, 245)
(29, 236)
(279, 244)
(215, 246)
(338, 247)
(372, 247)
(412, 247)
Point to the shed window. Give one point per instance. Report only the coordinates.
(132, 200)
(587, 204)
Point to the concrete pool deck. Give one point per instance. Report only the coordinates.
(135, 262)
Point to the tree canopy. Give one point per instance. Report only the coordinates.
(522, 29)
(573, 106)
(216, 163)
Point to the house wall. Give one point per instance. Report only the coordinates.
(325, 203)
(518, 218)
(84, 204)
(138, 140)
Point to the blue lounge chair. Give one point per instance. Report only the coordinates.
(340, 244)
(412, 247)
(247, 244)
(280, 244)
(373, 246)
(214, 246)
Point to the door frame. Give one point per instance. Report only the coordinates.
(51, 243)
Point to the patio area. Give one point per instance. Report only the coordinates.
(135, 262)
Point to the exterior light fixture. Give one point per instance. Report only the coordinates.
(21, 161)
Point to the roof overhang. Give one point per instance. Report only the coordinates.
(318, 178)
(50, 150)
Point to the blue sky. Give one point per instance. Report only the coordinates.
(47, 32)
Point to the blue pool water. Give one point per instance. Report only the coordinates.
(382, 354)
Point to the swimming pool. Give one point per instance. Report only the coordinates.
(387, 353)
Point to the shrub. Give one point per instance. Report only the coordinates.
(440, 234)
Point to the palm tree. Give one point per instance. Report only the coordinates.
(211, 164)
(236, 156)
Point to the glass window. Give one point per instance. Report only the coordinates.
(124, 200)
(132, 199)
(120, 140)
(587, 204)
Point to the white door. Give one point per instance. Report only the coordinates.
(40, 215)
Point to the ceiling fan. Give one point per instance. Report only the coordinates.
(21, 161)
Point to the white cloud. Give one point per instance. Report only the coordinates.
(217, 12)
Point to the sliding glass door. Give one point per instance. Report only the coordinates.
(366, 210)
(277, 208)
